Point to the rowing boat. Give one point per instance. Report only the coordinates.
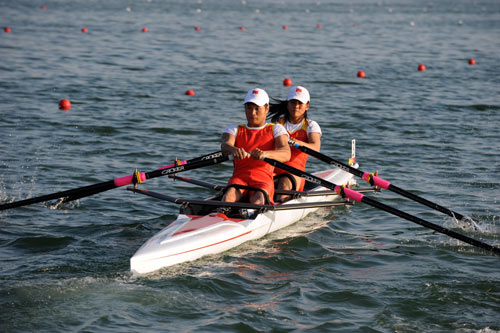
(200, 230)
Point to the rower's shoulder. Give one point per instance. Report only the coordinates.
(278, 130)
(312, 122)
(313, 126)
(231, 129)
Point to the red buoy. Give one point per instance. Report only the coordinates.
(144, 29)
(361, 74)
(44, 7)
(189, 92)
(287, 82)
(242, 28)
(285, 27)
(319, 26)
(421, 68)
(64, 104)
(7, 30)
(85, 30)
(197, 28)
(472, 62)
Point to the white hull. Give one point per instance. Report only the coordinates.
(192, 237)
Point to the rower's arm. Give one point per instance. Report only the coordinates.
(282, 151)
(227, 147)
(314, 141)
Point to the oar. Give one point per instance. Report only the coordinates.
(137, 177)
(382, 183)
(356, 196)
(276, 191)
(215, 203)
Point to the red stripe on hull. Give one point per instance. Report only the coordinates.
(203, 247)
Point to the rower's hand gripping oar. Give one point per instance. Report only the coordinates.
(374, 180)
(346, 192)
(137, 177)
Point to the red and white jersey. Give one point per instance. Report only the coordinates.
(249, 171)
(277, 130)
(300, 132)
(250, 138)
(310, 126)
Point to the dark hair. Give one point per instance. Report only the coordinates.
(278, 110)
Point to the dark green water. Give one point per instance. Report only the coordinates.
(341, 270)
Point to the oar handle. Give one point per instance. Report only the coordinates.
(359, 197)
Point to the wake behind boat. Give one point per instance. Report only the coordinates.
(202, 228)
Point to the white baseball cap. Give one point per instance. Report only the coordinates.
(257, 96)
(299, 93)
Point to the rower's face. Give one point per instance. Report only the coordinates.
(297, 109)
(256, 115)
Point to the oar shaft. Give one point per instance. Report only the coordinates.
(425, 202)
(82, 191)
(351, 194)
(186, 167)
(329, 160)
(198, 182)
(127, 180)
(429, 225)
(216, 203)
(377, 181)
(77, 193)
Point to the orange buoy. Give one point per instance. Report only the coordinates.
(189, 92)
(64, 104)
(7, 30)
(421, 68)
(85, 30)
(197, 28)
(287, 82)
(144, 29)
(361, 74)
(472, 61)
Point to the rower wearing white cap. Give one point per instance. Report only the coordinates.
(251, 142)
(292, 114)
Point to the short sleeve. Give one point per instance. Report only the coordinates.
(313, 127)
(231, 130)
(278, 130)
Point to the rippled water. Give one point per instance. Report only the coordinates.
(346, 269)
